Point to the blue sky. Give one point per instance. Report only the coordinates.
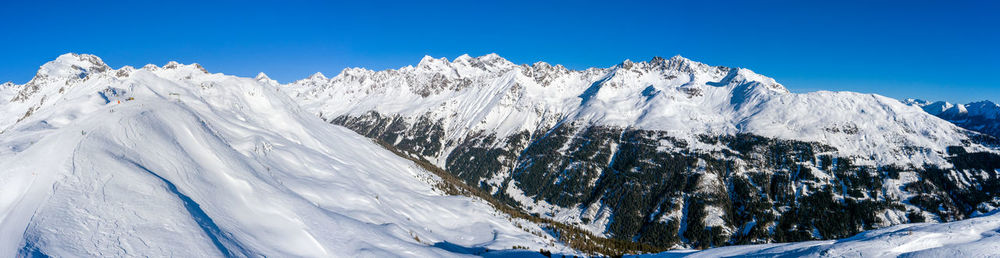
(944, 50)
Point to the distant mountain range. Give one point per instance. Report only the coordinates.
(982, 116)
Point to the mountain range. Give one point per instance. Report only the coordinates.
(645, 156)
(982, 116)
(669, 152)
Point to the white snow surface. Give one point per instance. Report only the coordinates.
(975, 237)
(677, 95)
(174, 161)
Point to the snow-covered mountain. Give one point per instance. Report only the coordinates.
(669, 152)
(175, 161)
(983, 116)
(666, 153)
(675, 95)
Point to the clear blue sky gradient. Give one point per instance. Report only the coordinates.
(945, 50)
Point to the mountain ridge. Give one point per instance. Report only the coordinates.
(438, 76)
(602, 148)
(981, 116)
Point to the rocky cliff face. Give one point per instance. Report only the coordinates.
(670, 152)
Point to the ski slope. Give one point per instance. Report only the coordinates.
(175, 161)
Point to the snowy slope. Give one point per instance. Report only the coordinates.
(683, 97)
(174, 161)
(976, 237)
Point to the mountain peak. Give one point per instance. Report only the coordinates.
(495, 61)
(679, 58)
(542, 64)
(72, 65)
(677, 63)
(171, 64)
(317, 76)
(263, 78)
(491, 56)
(463, 58)
(428, 60)
(627, 63)
(682, 60)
